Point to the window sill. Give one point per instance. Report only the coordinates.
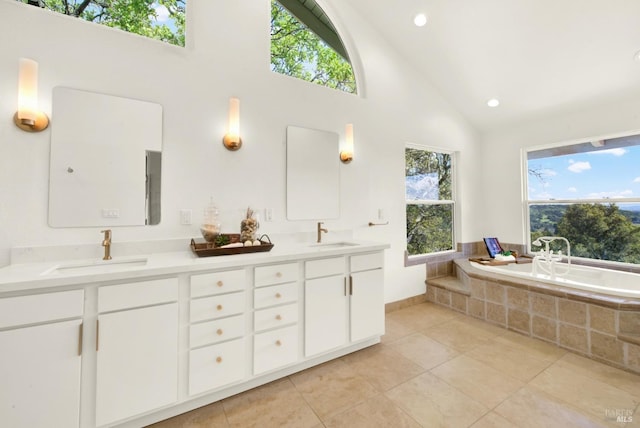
(421, 259)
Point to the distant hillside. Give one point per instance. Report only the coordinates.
(545, 217)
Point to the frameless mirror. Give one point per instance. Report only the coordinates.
(313, 174)
(105, 166)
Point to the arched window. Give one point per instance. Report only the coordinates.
(306, 45)
(160, 19)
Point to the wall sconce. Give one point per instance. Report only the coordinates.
(232, 140)
(28, 117)
(346, 155)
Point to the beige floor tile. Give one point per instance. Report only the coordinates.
(332, 387)
(211, 416)
(424, 315)
(423, 350)
(459, 335)
(514, 361)
(493, 420)
(395, 330)
(382, 366)
(530, 408)
(590, 396)
(621, 379)
(434, 403)
(375, 412)
(535, 347)
(477, 380)
(276, 404)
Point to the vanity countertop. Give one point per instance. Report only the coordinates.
(17, 278)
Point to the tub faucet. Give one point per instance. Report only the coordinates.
(106, 243)
(320, 230)
(546, 259)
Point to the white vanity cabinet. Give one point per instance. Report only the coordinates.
(217, 350)
(341, 305)
(137, 348)
(40, 361)
(275, 297)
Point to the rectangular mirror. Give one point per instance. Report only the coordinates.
(313, 174)
(105, 167)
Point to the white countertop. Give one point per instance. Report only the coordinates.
(23, 277)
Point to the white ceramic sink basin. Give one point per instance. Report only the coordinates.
(340, 244)
(96, 266)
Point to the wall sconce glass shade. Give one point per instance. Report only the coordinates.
(28, 117)
(346, 155)
(232, 140)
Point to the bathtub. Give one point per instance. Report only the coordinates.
(605, 281)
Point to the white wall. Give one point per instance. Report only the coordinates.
(228, 55)
(503, 196)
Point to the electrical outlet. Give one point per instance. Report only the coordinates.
(381, 214)
(268, 214)
(185, 217)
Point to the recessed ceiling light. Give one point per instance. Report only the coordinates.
(493, 102)
(420, 20)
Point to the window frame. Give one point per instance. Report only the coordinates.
(527, 203)
(412, 259)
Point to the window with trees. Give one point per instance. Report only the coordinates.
(430, 202)
(157, 19)
(588, 193)
(306, 45)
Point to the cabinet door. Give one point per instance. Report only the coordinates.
(325, 314)
(40, 376)
(137, 361)
(367, 304)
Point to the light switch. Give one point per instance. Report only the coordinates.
(185, 217)
(110, 213)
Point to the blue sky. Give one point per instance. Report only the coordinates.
(613, 173)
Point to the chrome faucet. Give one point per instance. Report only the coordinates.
(106, 243)
(320, 230)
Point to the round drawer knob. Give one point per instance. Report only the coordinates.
(278, 343)
(219, 307)
(219, 283)
(278, 295)
(219, 332)
(278, 274)
(218, 360)
(278, 317)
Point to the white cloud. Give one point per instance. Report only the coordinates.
(572, 190)
(162, 13)
(578, 167)
(637, 180)
(611, 195)
(616, 152)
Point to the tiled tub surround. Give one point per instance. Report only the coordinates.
(604, 328)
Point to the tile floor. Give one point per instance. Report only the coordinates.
(437, 368)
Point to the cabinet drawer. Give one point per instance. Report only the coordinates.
(22, 310)
(275, 295)
(367, 262)
(215, 366)
(135, 294)
(277, 274)
(224, 305)
(216, 331)
(324, 267)
(207, 284)
(274, 349)
(279, 316)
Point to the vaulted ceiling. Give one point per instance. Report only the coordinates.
(538, 57)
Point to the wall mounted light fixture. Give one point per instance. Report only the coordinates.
(28, 117)
(232, 140)
(346, 154)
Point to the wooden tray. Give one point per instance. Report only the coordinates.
(492, 262)
(207, 249)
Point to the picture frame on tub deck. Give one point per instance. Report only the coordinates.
(493, 246)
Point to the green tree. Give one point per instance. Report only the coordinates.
(429, 228)
(600, 231)
(134, 16)
(298, 52)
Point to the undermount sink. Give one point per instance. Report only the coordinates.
(96, 266)
(341, 244)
